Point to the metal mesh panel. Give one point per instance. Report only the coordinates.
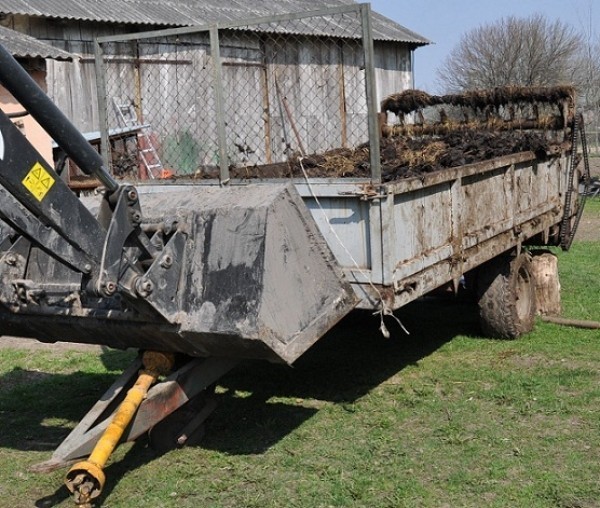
(160, 91)
(267, 93)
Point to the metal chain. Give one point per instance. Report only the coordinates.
(586, 180)
(568, 230)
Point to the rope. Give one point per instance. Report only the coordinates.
(385, 309)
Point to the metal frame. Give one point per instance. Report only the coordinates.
(371, 91)
(215, 49)
(102, 101)
(163, 399)
(363, 13)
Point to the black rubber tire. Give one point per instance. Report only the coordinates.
(506, 292)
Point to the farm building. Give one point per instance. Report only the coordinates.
(305, 74)
(33, 56)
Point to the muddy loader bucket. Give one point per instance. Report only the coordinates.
(239, 272)
(260, 281)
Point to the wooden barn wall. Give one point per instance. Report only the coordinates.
(280, 92)
(307, 92)
(248, 113)
(72, 85)
(177, 101)
(281, 95)
(393, 71)
(313, 90)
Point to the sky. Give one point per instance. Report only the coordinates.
(445, 21)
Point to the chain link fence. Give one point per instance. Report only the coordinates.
(238, 101)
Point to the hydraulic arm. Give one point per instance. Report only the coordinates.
(52, 223)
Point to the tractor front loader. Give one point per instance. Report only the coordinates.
(195, 280)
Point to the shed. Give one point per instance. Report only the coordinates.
(33, 56)
(72, 25)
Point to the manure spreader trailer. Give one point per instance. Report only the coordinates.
(200, 274)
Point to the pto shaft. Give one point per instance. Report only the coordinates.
(86, 479)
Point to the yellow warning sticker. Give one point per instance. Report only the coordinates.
(38, 181)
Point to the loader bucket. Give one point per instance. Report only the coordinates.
(254, 278)
(261, 277)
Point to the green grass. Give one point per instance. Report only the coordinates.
(592, 206)
(438, 418)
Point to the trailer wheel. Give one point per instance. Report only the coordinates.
(506, 293)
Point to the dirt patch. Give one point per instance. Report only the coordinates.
(595, 166)
(589, 227)
(22, 343)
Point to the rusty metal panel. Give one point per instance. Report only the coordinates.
(345, 223)
(487, 200)
(449, 223)
(423, 228)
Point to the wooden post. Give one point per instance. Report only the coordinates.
(547, 284)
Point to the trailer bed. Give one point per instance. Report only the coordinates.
(406, 238)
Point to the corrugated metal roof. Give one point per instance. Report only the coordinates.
(193, 12)
(24, 46)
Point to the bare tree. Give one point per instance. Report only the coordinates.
(586, 74)
(513, 51)
(586, 71)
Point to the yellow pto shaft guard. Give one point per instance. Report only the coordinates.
(86, 479)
